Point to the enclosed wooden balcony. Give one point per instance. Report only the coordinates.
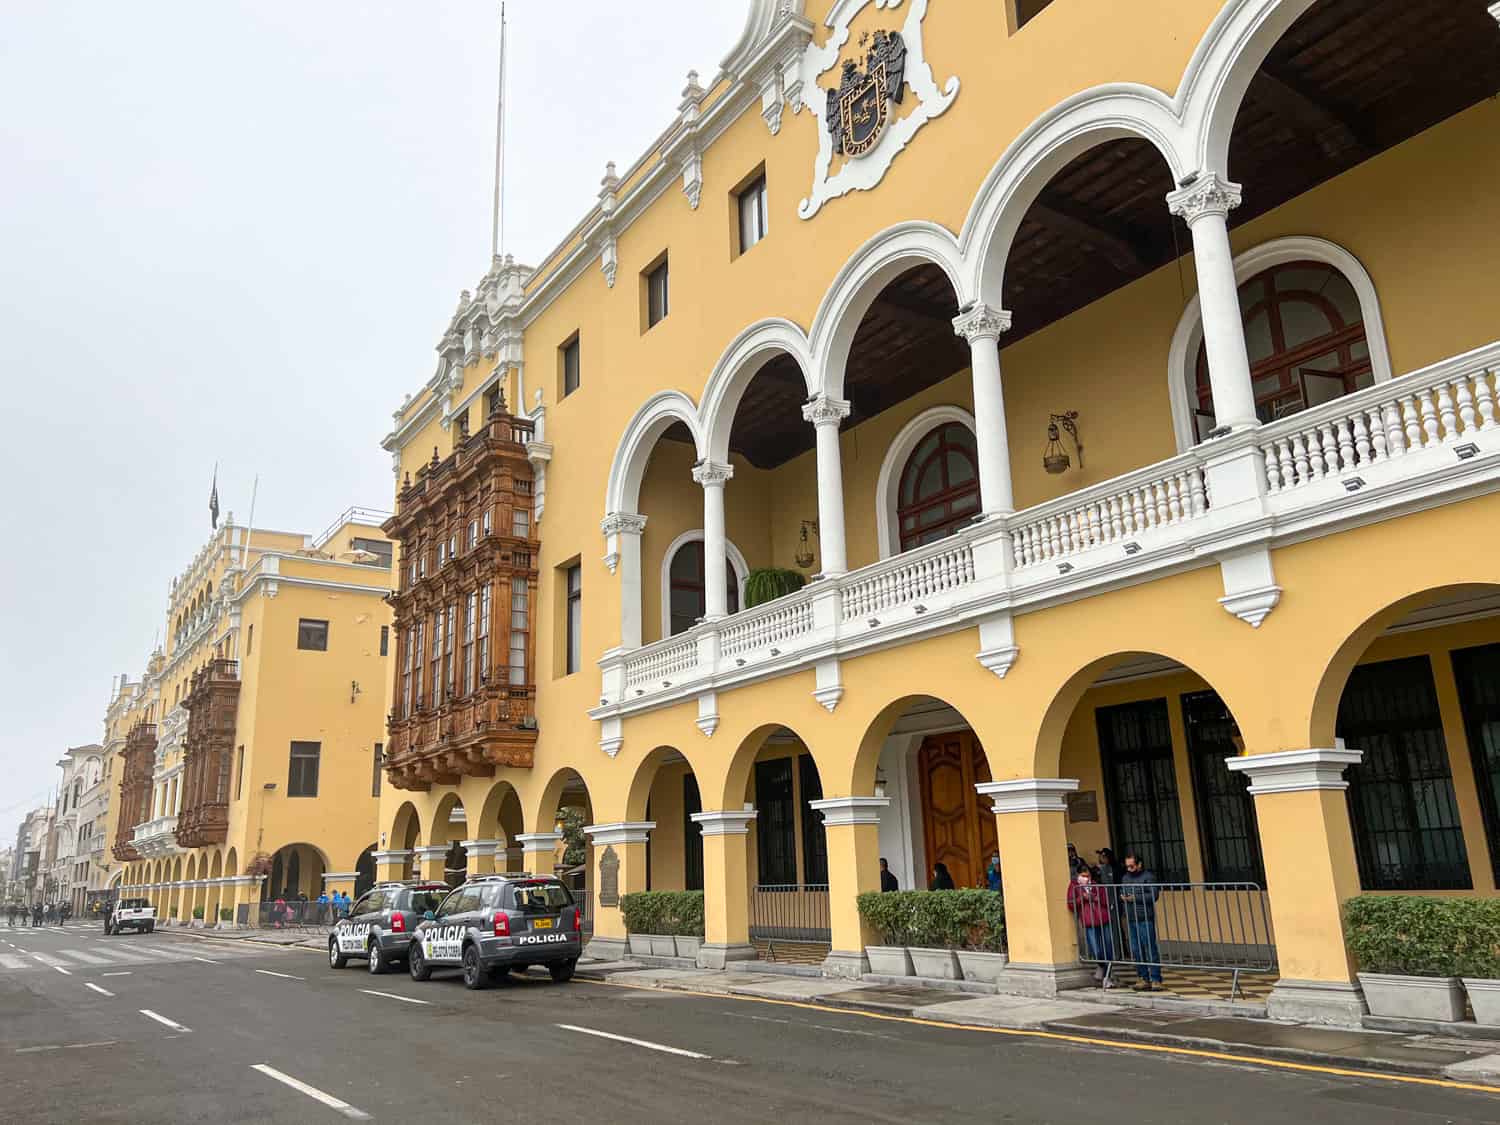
(212, 704)
(135, 789)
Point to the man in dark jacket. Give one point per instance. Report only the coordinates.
(887, 880)
(1138, 894)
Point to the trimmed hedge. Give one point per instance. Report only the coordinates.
(965, 919)
(1413, 935)
(665, 913)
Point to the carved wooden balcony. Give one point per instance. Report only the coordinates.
(212, 704)
(138, 759)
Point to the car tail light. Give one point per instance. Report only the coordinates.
(502, 924)
(398, 922)
(577, 921)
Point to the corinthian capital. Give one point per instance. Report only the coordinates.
(622, 523)
(712, 474)
(825, 411)
(981, 322)
(1209, 194)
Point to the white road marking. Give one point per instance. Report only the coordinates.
(64, 1047)
(393, 996)
(149, 1014)
(286, 976)
(313, 1092)
(63, 971)
(635, 1042)
(86, 958)
(126, 973)
(96, 988)
(7, 961)
(205, 960)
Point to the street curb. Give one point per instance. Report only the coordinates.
(212, 936)
(1105, 1035)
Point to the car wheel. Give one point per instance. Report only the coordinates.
(378, 963)
(336, 960)
(562, 972)
(475, 976)
(417, 964)
(151, 927)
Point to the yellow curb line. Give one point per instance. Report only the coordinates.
(1062, 1037)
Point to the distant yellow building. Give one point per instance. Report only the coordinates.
(1122, 375)
(249, 756)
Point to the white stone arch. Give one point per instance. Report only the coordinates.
(736, 560)
(745, 356)
(874, 266)
(660, 412)
(1182, 358)
(1070, 128)
(1221, 69)
(887, 527)
(114, 880)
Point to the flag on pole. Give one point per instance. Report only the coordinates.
(213, 499)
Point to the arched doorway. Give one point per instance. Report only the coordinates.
(364, 871)
(685, 587)
(939, 488)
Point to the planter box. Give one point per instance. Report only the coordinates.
(1484, 998)
(1413, 998)
(688, 946)
(889, 960)
(980, 966)
(662, 945)
(935, 964)
(640, 945)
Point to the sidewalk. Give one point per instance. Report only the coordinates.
(307, 939)
(1090, 1018)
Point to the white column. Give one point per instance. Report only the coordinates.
(826, 414)
(622, 532)
(1205, 205)
(982, 325)
(713, 476)
(177, 793)
(539, 850)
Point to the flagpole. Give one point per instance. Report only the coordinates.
(497, 229)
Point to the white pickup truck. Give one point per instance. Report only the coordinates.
(130, 914)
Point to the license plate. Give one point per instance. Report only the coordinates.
(542, 924)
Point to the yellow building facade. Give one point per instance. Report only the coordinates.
(1122, 377)
(249, 755)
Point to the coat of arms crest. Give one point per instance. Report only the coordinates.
(859, 109)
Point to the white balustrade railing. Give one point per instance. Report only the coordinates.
(907, 578)
(161, 826)
(1117, 511)
(661, 662)
(1443, 405)
(779, 623)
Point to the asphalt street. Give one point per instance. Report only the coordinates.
(177, 1028)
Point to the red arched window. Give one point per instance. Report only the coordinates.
(939, 486)
(1305, 334)
(688, 594)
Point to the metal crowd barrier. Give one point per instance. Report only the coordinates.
(1212, 926)
(790, 912)
(295, 915)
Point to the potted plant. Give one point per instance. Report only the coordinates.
(889, 916)
(687, 922)
(1408, 952)
(1477, 922)
(648, 925)
(981, 955)
(767, 583)
(225, 915)
(936, 932)
(197, 916)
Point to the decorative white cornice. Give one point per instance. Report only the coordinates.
(391, 857)
(981, 322)
(328, 877)
(481, 848)
(708, 712)
(1296, 771)
(536, 843)
(844, 812)
(1209, 194)
(1029, 794)
(730, 822)
(712, 474)
(634, 832)
(1253, 606)
(623, 523)
(825, 411)
(428, 852)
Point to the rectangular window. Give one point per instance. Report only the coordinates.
(302, 776)
(449, 685)
(249, 639)
(383, 550)
(692, 835)
(453, 545)
(520, 623)
(484, 523)
(520, 522)
(442, 554)
(406, 670)
(494, 399)
(379, 760)
(312, 635)
(1407, 834)
(466, 658)
(814, 834)
(570, 367)
(239, 772)
(473, 534)
(575, 618)
(1226, 811)
(657, 295)
(776, 834)
(1478, 673)
(1140, 785)
(420, 661)
(752, 210)
(436, 657)
(385, 640)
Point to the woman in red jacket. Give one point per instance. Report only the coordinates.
(1091, 906)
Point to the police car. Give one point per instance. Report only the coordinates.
(381, 922)
(498, 923)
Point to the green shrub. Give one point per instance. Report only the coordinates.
(198, 913)
(1413, 935)
(667, 913)
(966, 919)
(225, 914)
(767, 583)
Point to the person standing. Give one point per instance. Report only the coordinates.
(323, 917)
(992, 874)
(1138, 895)
(36, 916)
(887, 880)
(941, 879)
(1107, 873)
(1090, 905)
(10, 914)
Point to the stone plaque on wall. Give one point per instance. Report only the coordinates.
(609, 878)
(1083, 806)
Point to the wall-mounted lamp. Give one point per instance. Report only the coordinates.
(269, 786)
(1054, 459)
(353, 690)
(804, 548)
(879, 782)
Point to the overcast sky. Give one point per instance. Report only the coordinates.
(233, 231)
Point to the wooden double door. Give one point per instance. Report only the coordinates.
(958, 825)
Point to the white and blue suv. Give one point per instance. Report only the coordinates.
(498, 923)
